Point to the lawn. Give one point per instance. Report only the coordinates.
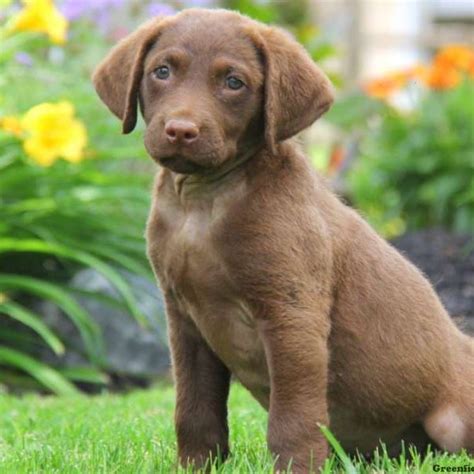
(133, 433)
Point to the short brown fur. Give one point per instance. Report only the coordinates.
(266, 274)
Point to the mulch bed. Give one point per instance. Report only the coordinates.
(448, 262)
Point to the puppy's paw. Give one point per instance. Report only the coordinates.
(305, 461)
(204, 458)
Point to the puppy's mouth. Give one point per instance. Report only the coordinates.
(181, 164)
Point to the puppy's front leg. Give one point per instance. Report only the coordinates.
(202, 388)
(296, 350)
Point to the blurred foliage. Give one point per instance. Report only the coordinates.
(296, 17)
(415, 165)
(64, 204)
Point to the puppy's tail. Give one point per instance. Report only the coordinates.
(451, 422)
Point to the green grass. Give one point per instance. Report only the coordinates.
(133, 433)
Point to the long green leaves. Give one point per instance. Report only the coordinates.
(17, 245)
(41, 372)
(84, 374)
(87, 327)
(56, 221)
(34, 322)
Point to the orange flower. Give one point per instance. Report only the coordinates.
(448, 66)
(470, 70)
(445, 72)
(419, 72)
(455, 56)
(385, 86)
(442, 77)
(336, 159)
(382, 88)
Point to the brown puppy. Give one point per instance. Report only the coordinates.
(266, 274)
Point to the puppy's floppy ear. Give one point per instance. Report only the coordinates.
(117, 78)
(297, 92)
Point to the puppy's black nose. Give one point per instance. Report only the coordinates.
(181, 132)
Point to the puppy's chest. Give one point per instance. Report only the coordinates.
(188, 262)
(186, 255)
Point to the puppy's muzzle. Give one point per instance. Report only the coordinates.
(181, 132)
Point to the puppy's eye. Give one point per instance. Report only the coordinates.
(234, 83)
(162, 72)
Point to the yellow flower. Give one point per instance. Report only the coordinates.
(11, 124)
(41, 16)
(52, 133)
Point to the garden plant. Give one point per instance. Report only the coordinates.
(415, 134)
(71, 197)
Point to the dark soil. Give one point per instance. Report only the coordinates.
(448, 262)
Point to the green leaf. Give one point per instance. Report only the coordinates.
(261, 12)
(21, 381)
(321, 50)
(50, 378)
(84, 374)
(16, 245)
(353, 111)
(87, 327)
(344, 458)
(13, 43)
(18, 339)
(112, 254)
(33, 321)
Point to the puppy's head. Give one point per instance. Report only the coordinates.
(211, 85)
